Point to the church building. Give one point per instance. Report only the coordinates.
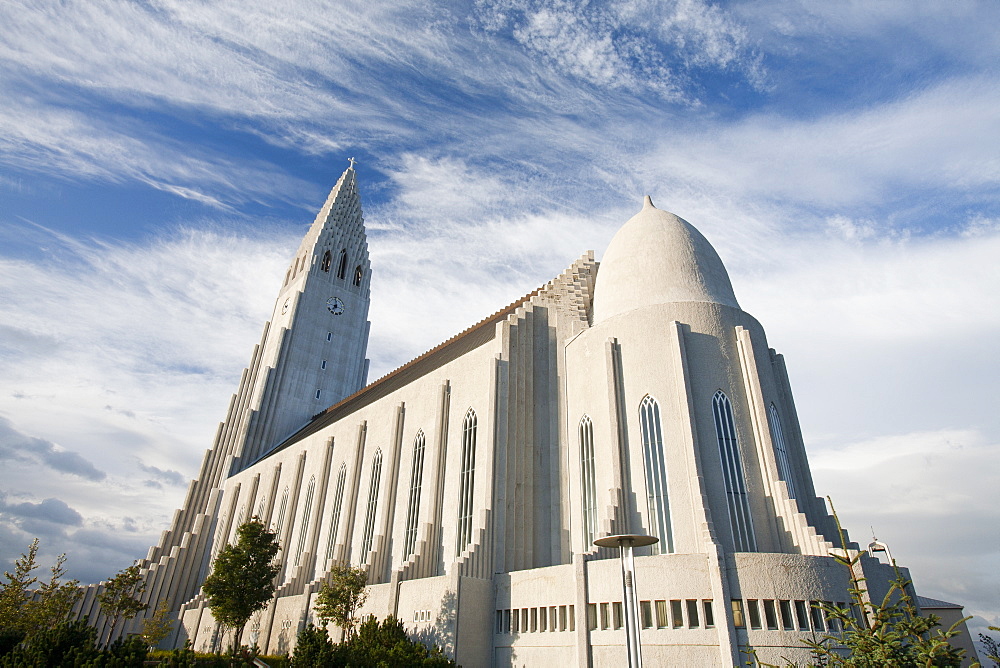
(627, 396)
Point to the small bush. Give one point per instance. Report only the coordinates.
(74, 644)
(374, 644)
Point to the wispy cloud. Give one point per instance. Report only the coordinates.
(17, 446)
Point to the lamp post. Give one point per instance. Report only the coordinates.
(625, 543)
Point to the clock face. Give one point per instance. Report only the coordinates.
(335, 305)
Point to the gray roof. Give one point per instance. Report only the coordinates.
(925, 602)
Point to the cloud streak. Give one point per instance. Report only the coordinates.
(19, 447)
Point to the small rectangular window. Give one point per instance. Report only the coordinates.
(802, 615)
(562, 618)
(572, 619)
(837, 624)
(787, 621)
(534, 619)
(709, 616)
(661, 615)
(543, 619)
(524, 620)
(817, 616)
(605, 617)
(506, 621)
(692, 607)
(499, 620)
(322, 365)
(646, 607)
(676, 614)
(515, 621)
(770, 615)
(318, 393)
(616, 612)
(591, 616)
(753, 610)
(329, 336)
(738, 621)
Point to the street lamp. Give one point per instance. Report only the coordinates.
(625, 543)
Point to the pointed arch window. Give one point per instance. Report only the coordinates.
(468, 480)
(780, 453)
(358, 275)
(338, 502)
(654, 458)
(369, 532)
(304, 524)
(342, 264)
(281, 512)
(326, 261)
(413, 507)
(588, 479)
(732, 470)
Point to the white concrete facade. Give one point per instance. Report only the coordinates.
(634, 396)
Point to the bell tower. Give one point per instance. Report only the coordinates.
(312, 352)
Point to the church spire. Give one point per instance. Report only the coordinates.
(313, 351)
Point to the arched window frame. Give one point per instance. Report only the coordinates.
(780, 451)
(359, 275)
(468, 479)
(413, 506)
(338, 502)
(326, 261)
(740, 518)
(588, 481)
(373, 485)
(282, 508)
(657, 488)
(342, 264)
(304, 525)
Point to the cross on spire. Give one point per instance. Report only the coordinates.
(351, 161)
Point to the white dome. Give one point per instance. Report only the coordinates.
(658, 258)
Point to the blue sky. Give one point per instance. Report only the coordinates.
(159, 162)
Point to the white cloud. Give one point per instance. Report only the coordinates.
(932, 139)
(124, 354)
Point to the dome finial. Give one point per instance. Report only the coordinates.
(647, 203)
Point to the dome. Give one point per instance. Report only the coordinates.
(658, 258)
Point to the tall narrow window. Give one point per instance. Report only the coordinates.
(588, 481)
(342, 264)
(413, 507)
(657, 499)
(326, 261)
(369, 533)
(358, 275)
(780, 453)
(281, 512)
(338, 500)
(468, 480)
(732, 471)
(304, 524)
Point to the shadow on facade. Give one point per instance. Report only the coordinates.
(442, 632)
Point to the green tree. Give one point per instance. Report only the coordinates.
(119, 597)
(156, 628)
(341, 596)
(313, 648)
(387, 644)
(55, 599)
(27, 610)
(15, 592)
(374, 644)
(888, 633)
(242, 578)
(74, 644)
(991, 646)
